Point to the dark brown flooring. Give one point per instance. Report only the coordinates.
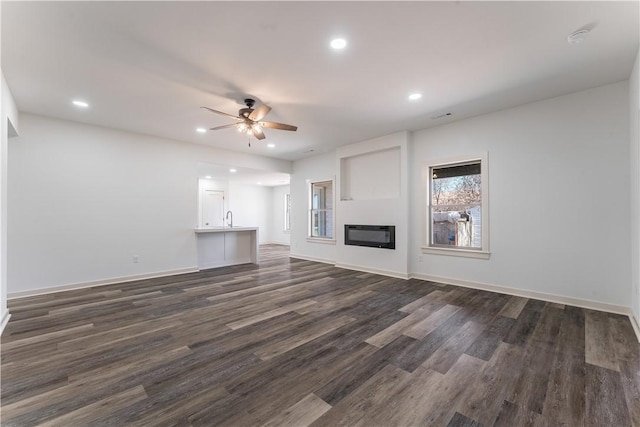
(301, 343)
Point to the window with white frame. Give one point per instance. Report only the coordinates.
(287, 212)
(457, 209)
(321, 210)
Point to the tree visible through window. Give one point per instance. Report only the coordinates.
(321, 211)
(455, 208)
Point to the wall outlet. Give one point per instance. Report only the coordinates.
(136, 259)
(420, 258)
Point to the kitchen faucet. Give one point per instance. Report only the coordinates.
(229, 213)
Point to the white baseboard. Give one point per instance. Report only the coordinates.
(111, 281)
(374, 271)
(636, 325)
(273, 242)
(592, 305)
(309, 258)
(5, 320)
(225, 264)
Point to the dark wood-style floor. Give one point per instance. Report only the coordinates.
(300, 343)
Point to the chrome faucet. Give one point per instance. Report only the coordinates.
(230, 223)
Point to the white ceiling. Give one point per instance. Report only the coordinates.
(242, 175)
(148, 66)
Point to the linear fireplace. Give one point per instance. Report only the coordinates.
(375, 236)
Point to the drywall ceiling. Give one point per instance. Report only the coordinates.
(241, 175)
(148, 66)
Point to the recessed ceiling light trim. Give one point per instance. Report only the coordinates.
(415, 96)
(201, 130)
(233, 170)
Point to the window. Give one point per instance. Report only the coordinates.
(457, 209)
(321, 210)
(287, 212)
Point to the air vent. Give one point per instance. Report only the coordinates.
(441, 116)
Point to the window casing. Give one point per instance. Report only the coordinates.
(287, 212)
(456, 208)
(321, 210)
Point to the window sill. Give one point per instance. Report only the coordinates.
(323, 240)
(465, 253)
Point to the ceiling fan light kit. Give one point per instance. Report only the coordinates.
(249, 121)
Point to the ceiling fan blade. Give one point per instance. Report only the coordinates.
(220, 112)
(232, 125)
(281, 126)
(260, 112)
(258, 134)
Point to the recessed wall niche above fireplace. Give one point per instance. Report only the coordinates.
(375, 236)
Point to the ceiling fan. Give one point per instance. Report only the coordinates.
(249, 119)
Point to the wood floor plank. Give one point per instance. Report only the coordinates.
(497, 380)
(599, 349)
(513, 307)
(90, 412)
(370, 394)
(295, 342)
(272, 350)
(605, 401)
(389, 334)
(565, 397)
(424, 327)
(270, 314)
(303, 413)
(449, 353)
(512, 415)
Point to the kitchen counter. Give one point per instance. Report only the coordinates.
(224, 246)
(224, 229)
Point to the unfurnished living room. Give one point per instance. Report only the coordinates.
(301, 213)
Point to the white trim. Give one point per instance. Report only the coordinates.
(5, 320)
(467, 253)
(425, 222)
(111, 281)
(389, 273)
(323, 240)
(310, 183)
(310, 258)
(577, 302)
(635, 324)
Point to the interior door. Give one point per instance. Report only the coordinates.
(212, 208)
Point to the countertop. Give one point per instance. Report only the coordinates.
(224, 229)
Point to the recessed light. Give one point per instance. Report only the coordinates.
(208, 177)
(233, 170)
(338, 43)
(271, 145)
(201, 130)
(415, 96)
(79, 103)
(259, 183)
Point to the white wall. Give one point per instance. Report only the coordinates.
(634, 130)
(373, 190)
(9, 126)
(251, 207)
(316, 168)
(558, 196)
(84, 199)
(276, 230)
